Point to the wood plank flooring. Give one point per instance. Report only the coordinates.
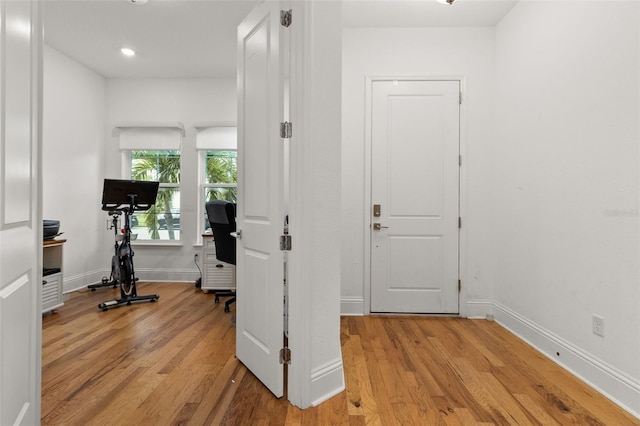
(172, 363)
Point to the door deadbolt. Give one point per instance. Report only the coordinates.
(376, 210)
(377, 227)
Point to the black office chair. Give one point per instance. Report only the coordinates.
(222, 218)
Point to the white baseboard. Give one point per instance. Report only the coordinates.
(351, 306)
(79, 282)
(478, 309)
(616, 385)
(326, 381)
(475, 309)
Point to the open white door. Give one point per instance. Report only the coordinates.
(260, 210)
(20, 217)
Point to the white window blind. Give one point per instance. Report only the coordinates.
(218, 137)
(150, 137)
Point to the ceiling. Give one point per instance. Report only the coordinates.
(197, 38)
(173, 39)
(424, 13)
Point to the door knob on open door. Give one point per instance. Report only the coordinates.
(377, 227)
(237, 234)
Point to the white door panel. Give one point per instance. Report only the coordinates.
(20, 217)
(260, 209)
(256, 266)
(415, 180)
(17, 132)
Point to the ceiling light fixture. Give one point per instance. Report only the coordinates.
(446, 1)
(137, 1)
(127, 52)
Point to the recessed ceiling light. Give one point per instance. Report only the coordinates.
(441, 1)
(127, 52)
(137, 1)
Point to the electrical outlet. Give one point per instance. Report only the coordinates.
(598, 325)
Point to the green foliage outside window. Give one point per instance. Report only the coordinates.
(221, 175)
(221, 168)
(163, 167)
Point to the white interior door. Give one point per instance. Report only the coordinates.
(260, 211)
(20, 217)
(415, 183)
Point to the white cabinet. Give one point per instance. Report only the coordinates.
(51, 292)
(52, 275)
(216, 275)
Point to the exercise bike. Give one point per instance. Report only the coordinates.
(140, 196)
(112, 281)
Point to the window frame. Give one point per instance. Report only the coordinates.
(203, 186)
(202, 146)
(126, 164)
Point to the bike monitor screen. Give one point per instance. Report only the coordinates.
(138, 194)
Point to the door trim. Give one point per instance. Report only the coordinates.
(315, 54)
(462, 192)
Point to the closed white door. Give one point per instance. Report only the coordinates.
(260, 211)
(20, 217)
(415, 196)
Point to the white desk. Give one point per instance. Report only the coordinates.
(52, 283)
(216, 275)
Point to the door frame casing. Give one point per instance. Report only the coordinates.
(462, 190)
(316, 370)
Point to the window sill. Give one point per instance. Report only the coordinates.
(156, 243)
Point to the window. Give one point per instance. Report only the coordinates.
(218, 166)
(220, 180)
(162, 220)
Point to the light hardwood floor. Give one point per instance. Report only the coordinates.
(172, 363)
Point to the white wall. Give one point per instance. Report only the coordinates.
(74, 102)
(169, 100)
(565, 240)
(550, 174)
(467, 53)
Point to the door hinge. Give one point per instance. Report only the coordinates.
(286, 129)
(459, 286)
(459, 98)
(459, 222)
(285, 18)
(285, 242)
(460, 160)
(285, 356)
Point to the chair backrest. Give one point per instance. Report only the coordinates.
(222, 218)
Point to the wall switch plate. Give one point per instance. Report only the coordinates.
(598, 325)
